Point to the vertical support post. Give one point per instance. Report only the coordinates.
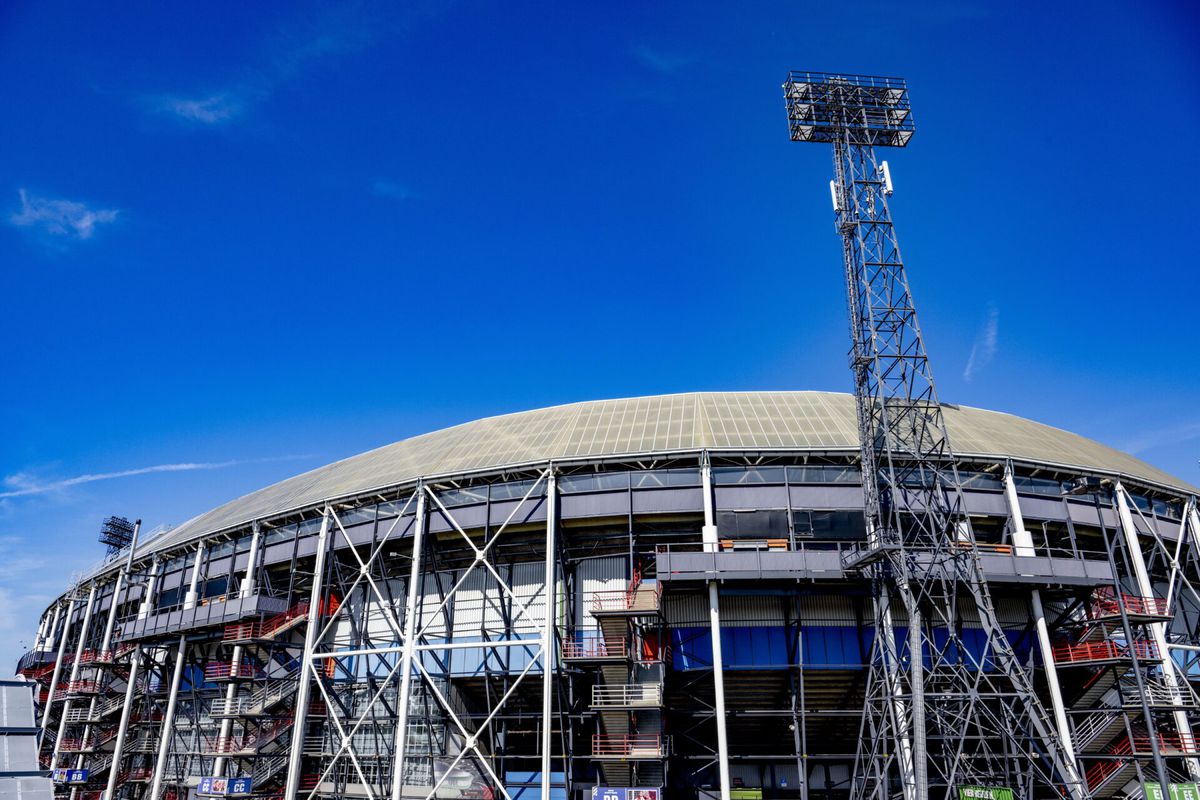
(135, 662)
(246, 589)
(58, 661)
(409, 646)
(1158, 630)
(168, 725)
(151, 584)
(1023, 546)
(711, 544)
(83, 631)
(308, 672)
(250, 582)
(189, 600)
(548, 660)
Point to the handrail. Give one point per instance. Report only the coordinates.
(1073, 653)
(1106, 603)
(652, 745)
(595, 647)
(634, 694)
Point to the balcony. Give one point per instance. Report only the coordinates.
(1106, 606)
(638, 695)
(595, 648)
(639, 600)
(629, 747)
(839, 560)
(1106, 652)
(209, 612)
(270, 628)
(231, 671)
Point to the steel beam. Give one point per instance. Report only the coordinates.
(1158, 630)
(1023, 546)
(709, 537)
(409, 647)
(307, 673)
(85, 623)
(168, 724)
(548, 661)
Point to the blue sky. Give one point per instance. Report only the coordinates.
(242, 240)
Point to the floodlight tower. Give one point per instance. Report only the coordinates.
(963, 713)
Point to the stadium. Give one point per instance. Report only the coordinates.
(381, 627)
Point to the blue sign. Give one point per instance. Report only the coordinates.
(77, 776)
(224, 787)
(623, 793)
(239, 787)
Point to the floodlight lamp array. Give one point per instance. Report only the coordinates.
(853, 109)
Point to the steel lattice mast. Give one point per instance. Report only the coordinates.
(964, 713)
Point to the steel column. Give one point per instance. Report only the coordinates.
(1158, 630)
(307, 670)
(151, 583)
(83, 631)
(409, 644)
(1023, 545)
(548, 661)
(62, 646)
(135, 662)
(709, 538)
(189, 600)
(231, 691)
(168, 725)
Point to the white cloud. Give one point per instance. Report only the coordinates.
(213, 110)
(986, 344)
(65, 219)
(1148, 440)
(295, 45)
(22, 484)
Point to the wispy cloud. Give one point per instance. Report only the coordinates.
(60, 219)
(297, 44)
(213, 110)
(660, 61)
(1172, 434)
(22, 484)
(985, 346)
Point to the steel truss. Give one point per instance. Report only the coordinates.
(401, 651)
(941, 711)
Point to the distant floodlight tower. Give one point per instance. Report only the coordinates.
(116, 534)
(964, 713)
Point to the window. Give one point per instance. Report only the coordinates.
(737, 476)
(598, 482)
(665, 477)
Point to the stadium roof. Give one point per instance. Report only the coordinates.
(755, 421)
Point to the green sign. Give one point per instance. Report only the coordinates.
(1175, 791)
(987, 793)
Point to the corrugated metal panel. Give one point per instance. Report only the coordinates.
(686, 610)
(528, 582)
(596, 575)
(752, 611)
(828, 610)
(767, 420)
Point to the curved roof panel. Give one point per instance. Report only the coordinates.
(666, 423)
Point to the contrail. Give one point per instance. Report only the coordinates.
(128, 473)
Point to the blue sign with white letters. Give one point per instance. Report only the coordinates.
(77, 776)
(224, 787)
